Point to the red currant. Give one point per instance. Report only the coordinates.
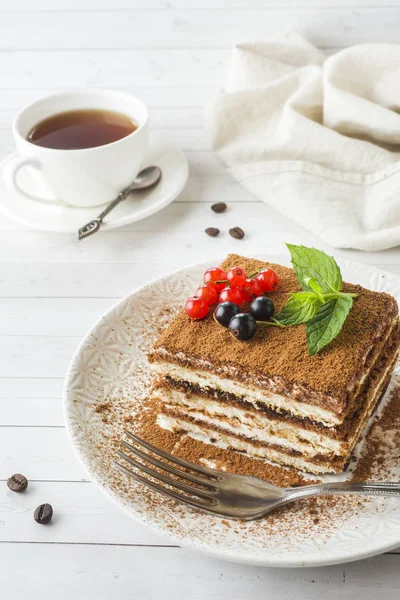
(208, 293)
(231, 294)
(236, 276)
(196, 308)
(255, 287)
(246, 293)
(213, 275)
(268, 280)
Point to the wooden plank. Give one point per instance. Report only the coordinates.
(194, 5)
(104, 572)
(192, 211)
(43, 316)
(148, 68)
(40, 453)
(191, 29)
(69, 280)
(123, 247)
(42, 388)
(82, 514)
(31, 412)
(173, 98)
(39, 356)
(120, 246)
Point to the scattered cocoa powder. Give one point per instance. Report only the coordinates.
(103, 407)
(314, 516)
(127, 406)
(380, 456)
(103, 410)
(380, 459)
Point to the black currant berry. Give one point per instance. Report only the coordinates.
(225, 311)
(243, 326)
(262, 308)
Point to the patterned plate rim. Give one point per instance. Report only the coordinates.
(302, 559)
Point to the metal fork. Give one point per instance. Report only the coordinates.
(225, 494)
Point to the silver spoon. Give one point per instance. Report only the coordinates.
(145, 179)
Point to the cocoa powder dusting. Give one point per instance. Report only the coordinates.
(103, 409)
(282, 353)
(147, 428)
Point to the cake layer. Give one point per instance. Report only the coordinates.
(207, 382)
(231, 442)
(275, 454)
(279, 440)
(247, 422)
(276, 361)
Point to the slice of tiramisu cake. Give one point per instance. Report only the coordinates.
(288, 367)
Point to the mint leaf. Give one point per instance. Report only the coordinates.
(300, 308)
(312, 264)
(327, 323)
(316, 288)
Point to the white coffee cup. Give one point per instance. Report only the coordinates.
(86, 177)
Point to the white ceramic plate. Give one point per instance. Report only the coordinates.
(110, 366)
(68, 219)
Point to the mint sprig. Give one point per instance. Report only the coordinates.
(321, 305)
(300, 308)
(327, 323)
(312, 264)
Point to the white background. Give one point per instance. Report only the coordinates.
(173, 54)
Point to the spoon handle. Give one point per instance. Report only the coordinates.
(121, 196)
(95, 224)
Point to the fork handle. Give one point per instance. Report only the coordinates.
(369, 488)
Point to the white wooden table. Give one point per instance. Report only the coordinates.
(173, 54)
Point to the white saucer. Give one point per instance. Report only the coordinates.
(136, 207)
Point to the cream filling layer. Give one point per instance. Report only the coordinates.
(225, 441)
(253, 426)
(250, 393)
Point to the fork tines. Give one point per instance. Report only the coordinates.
(200, 497)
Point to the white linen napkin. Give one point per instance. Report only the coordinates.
(316, 138)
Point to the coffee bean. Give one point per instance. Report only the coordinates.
(43, 514)
(219, 207)
(236, 232)
(212, 231)
(17, 482)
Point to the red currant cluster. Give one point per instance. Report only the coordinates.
(234, 286)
